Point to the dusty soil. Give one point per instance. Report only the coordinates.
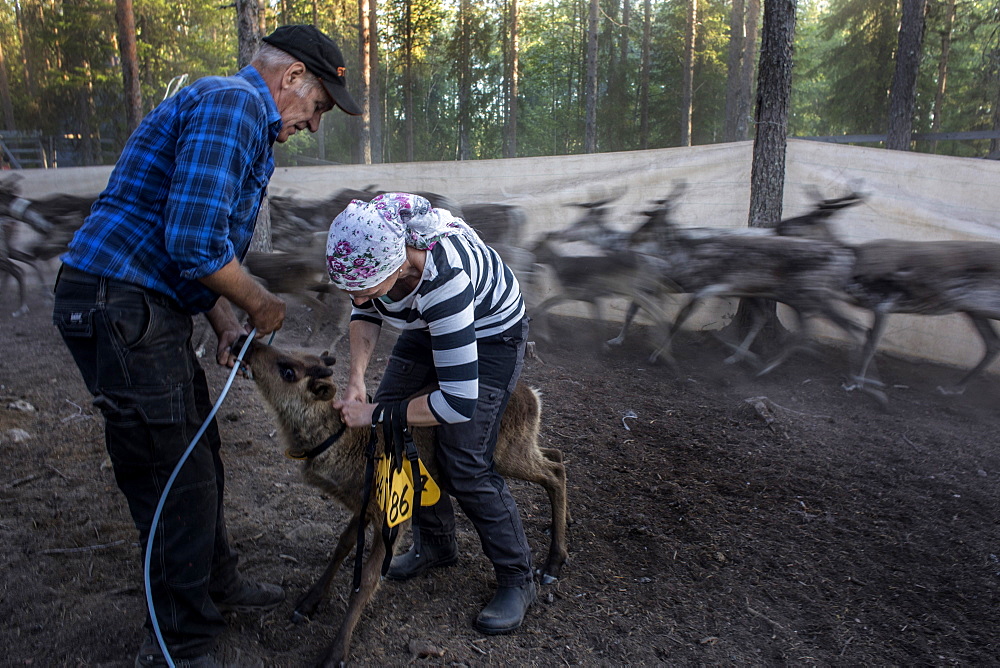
(817, 530)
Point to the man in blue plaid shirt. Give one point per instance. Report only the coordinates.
(163, 242)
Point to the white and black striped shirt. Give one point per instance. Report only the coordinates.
(465, 293)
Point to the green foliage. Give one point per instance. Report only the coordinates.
(62, 65)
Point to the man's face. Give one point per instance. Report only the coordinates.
(301, 107)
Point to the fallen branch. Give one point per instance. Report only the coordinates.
(20, 481)
(88, 548)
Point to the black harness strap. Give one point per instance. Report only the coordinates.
(366, 495)
(397, 443)
(393, 451)
(325, 445)
(418, 483)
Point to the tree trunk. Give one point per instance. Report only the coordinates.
(734, 66)
(510, 92)
(408, 80)
(743, 102)
(88, 116)
(739, 75)
(647, 29)
(767, 177)
(375, 84)
(5, 101)
(464, 81)
(125, 19)
(590, 94)
(248, 35)
(364, 44)
(774, 86)
(903, 94)
(687, 74)
(942, 70)
(247, 30)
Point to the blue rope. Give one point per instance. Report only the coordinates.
(166, 490)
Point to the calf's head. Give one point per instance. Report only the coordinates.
(289, 380)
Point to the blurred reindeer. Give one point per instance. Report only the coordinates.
(917, 277)
(53, 220)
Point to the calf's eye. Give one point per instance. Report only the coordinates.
(287, 374)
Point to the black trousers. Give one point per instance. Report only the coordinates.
(133, 349)
(465, 450)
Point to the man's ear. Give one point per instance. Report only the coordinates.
(293, 74)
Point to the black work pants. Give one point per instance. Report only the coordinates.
(465, 450)
(133, 349)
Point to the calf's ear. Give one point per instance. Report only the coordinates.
(327, 358)
(322, 389)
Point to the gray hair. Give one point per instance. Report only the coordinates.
(272, 59)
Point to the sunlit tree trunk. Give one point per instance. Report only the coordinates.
(687, 76)
(590, 94)
(364, 43)
(130, 64)
(903, 94)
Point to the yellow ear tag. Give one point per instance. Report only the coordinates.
(394, 491)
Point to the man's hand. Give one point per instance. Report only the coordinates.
(227, 330)
(268, 316)
(355, 413)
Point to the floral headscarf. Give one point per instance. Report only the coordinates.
(367, 241)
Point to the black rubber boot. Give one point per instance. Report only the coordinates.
(250, 596)
(409, 565)
(506, 611)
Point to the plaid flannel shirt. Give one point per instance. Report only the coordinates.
(183, 198)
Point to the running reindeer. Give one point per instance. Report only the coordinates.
(917, 277)
(753, 264)
(615, 270)
(54, 220)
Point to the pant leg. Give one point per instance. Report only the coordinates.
(465, 450)
(133, 349)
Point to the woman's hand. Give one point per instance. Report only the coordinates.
(355, 413)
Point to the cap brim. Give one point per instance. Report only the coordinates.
(342, 98)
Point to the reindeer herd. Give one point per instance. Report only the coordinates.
(800, 263)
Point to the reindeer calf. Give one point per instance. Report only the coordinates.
(298, 389)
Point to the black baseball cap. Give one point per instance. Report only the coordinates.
(320, 56)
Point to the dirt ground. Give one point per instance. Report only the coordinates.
(814, 529)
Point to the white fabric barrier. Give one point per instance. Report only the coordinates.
(910, 196)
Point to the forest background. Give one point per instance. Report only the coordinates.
(458, 80)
